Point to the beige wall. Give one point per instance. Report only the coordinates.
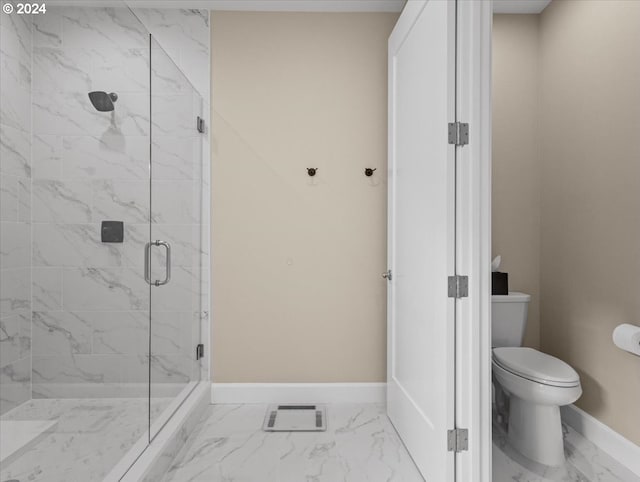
(590, 158)
(580, 189)
(516, 169)
(297, 292)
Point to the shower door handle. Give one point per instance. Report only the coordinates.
(167, 276)
(147, 263)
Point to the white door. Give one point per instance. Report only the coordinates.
(420, 378)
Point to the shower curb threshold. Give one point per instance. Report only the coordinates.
(155, 458)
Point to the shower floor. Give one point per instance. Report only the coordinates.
(90, 437)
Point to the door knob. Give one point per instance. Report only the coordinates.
(387, 275)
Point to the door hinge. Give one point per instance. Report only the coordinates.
(200, 124)
(458, 440)
(199, 351)
(458, 133)
(458, 286)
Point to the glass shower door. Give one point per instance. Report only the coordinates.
(175, 253)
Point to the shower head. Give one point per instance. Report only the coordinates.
(102, 101)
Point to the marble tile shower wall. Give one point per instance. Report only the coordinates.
(185, 35)
(90, 300)
(15, 211)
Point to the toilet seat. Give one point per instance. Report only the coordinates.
(536, 366)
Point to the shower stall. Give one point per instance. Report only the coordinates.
(103, 241)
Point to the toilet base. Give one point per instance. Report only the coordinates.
(536, 431)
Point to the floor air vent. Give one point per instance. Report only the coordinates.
(295, 418)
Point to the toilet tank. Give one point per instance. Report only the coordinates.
(508, 318)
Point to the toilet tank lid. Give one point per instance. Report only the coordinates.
(512, 297)
(536, 366)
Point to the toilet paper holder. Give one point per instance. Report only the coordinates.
(627, 338)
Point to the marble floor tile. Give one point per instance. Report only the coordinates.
(585, 463)
(16, 436)
(360, 445)
(90, 437)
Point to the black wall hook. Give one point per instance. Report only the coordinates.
(312, 171)
(369, 172)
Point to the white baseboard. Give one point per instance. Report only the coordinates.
(298, 392)
(607, 439)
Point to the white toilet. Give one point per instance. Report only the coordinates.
(530, 386)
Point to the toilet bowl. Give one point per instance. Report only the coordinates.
(537, 385)
(530, 386)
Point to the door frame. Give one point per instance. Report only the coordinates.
(473, 239)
